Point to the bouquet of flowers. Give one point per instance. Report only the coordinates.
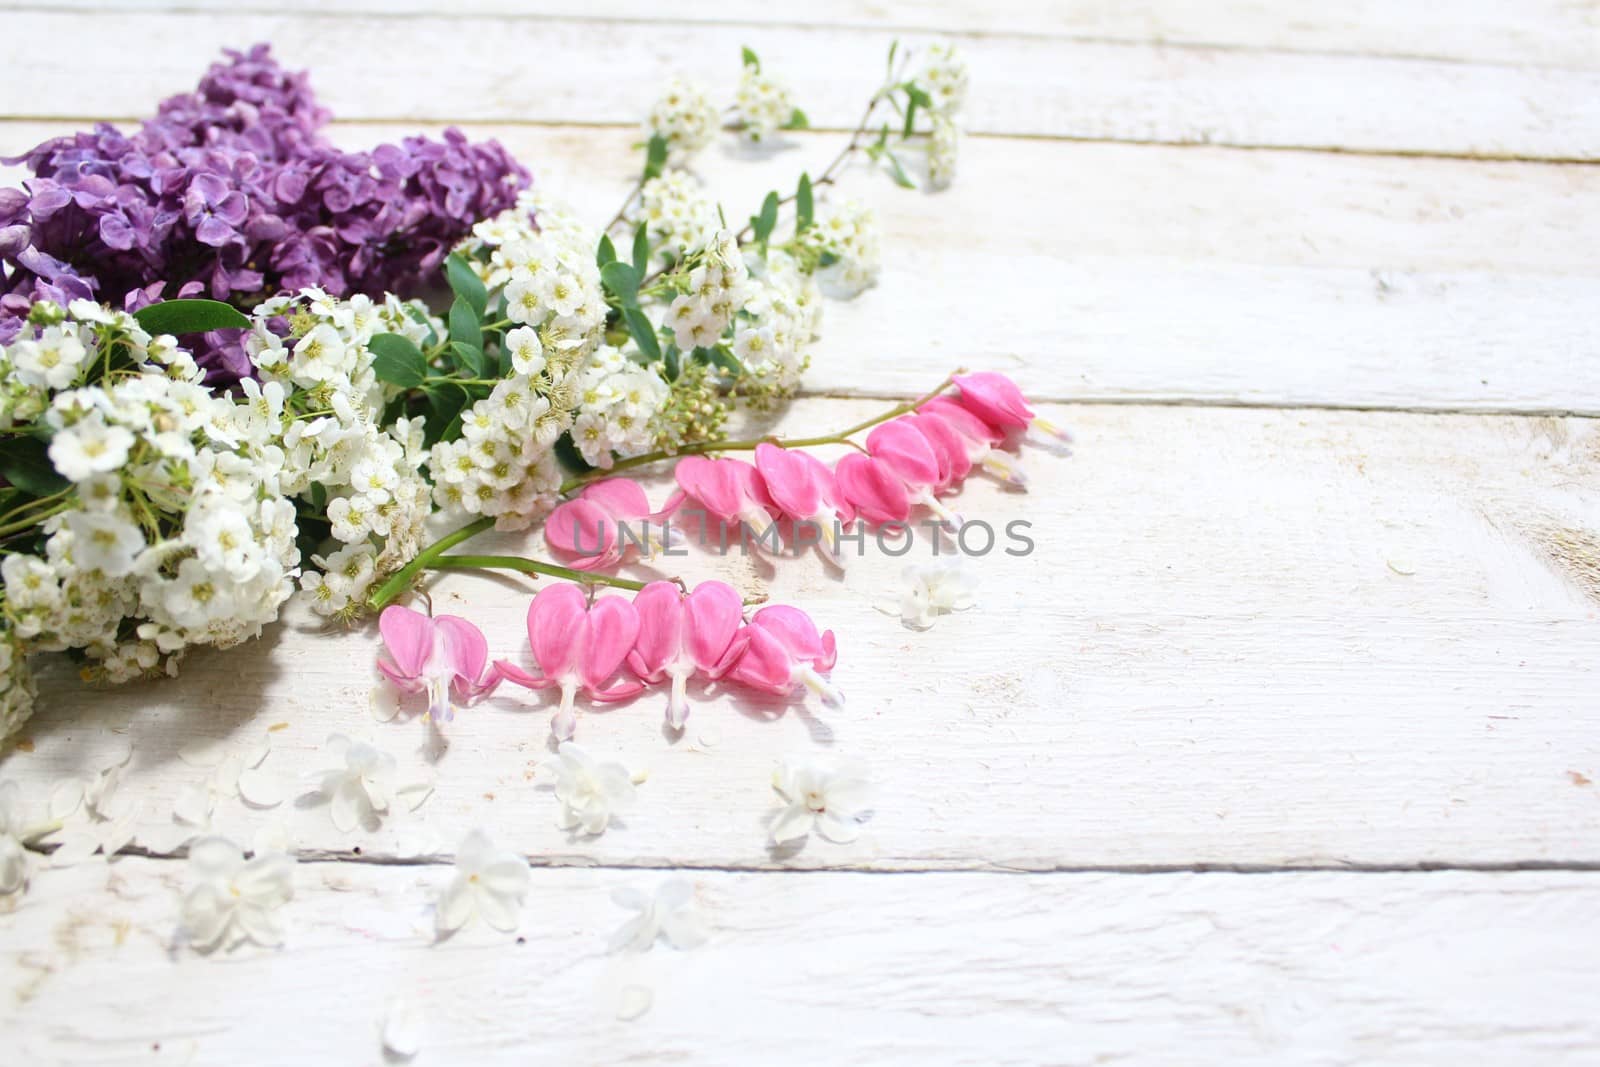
(295, 411)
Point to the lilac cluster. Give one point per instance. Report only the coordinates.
(232, 192)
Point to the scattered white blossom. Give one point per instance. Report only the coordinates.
(845, 238)
(233, 900)
(763, 104)
(685, 118)
(669, 912)
(821, 796)
(111, 818)
(488, 883)
(591, 792)
(18, 829)
(366, 788)
(934, 589)
(401, 1029)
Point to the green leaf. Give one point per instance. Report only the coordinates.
(606, 253)
(444, 416)
(190, 316)
(622, 281)
(25, 463)
(797, 121)
(804, 205)
(751, 60)
(898, 172)
(669, 360)
(643, 331)
(763, 224)
(919, 96)
(911, 119)
(894, 46)
(466, 284)
(655, 158)
(397, 361)
(465, 326)
(827, 259)
(469, 359)
(641, 249)
(720, 357)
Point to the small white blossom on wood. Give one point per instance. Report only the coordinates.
(590, 791)
(828, 798)
(234, 900)
(366, 788)
(934, 589)
(112, 818)
(488, 882)
(18, 829)
(670, 912)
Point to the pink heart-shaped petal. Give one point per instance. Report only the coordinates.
(713, 613)
(660, 641)
(613, 627)
(901, 446)
(995, 399)
(408, 635)
(556, 629)
(876, 492)
(584, 533)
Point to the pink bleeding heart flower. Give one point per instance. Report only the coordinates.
(438, 656)
(606, 520)
(577, 647)
(873, 489)
(980, 439)
(995, 399)
(948, 445)
(803, 488)
(901, 446)
(679, 635)
(780, 651)
(730, 490)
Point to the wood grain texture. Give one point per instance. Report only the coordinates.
(830, 968)
(1559, 33)
(484, 69)
(1245, 638)
(1140, 273)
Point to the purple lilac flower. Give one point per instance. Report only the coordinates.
(232, 191)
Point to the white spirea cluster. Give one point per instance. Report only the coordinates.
(541, 259)
(618, 402)
(845, 237)
(714, 292)
(17, 687)
(685, 117)
(319, 400)
(781, 316)
(175, 529)
(943, 76)
(762, 105)
(677, 211)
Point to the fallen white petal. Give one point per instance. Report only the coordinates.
(384, 702)
(402, 1028)
(414, 794)
(193, 805)
(65, 797)
(260, 789)
(272, 837)
(633, 1001)
(76, 847)
(257, 753)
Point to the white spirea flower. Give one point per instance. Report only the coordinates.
(846, 236)
(934, 589)
(684, 116)
(488, 883)
(821, 796)
(762, 105)
(943, 145)
(590, 791)
(677, 211)
(943, 76)
(669, 911)
(17, 687)
(366, 788)
(233, 900)
(17, 829)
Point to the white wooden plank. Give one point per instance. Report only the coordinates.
(1536, 32)
(580, 71)
(831, 968)
(1245, 638)
(1113, 272)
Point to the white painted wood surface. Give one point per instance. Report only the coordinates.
(1145, 273)
(483, 69)
(1284, 641)
(977, 969)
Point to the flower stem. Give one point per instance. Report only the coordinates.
(433, 557)
(531, 566)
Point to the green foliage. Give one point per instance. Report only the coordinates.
(763, 224)
(621, 280)
(190, 316)
(751, 60)
(25, 463)
(643, 331)
(641, 249)
(466, 284)
(606, 253)
(797, 121)
(655, 158)
(397, 361)
(804, 205)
